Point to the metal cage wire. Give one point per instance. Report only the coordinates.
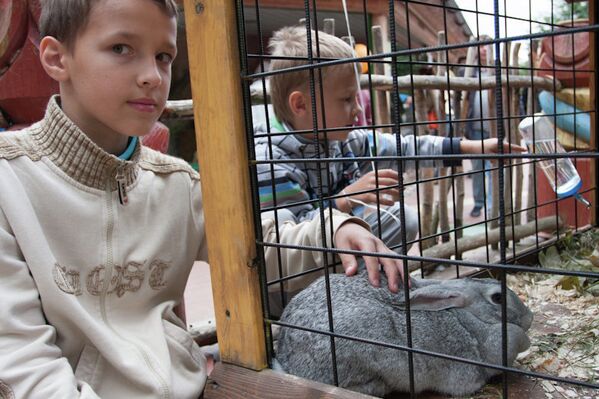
(500, 261)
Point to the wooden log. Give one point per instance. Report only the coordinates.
(446, 250)
(457, 83)
(381, 101)
(182, 108)
(220, 129)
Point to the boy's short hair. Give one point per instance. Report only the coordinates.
(292, 42)
(64, 19)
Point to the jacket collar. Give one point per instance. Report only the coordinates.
(66, 146)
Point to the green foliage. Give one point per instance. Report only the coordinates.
(575, 253)
(564, 12)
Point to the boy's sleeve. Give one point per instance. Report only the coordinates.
(306, 234)
(197, 209)
(31, 365)
(386, 145)
(281, 184)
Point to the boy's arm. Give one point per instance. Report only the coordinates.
(309, 234)
(197, 209)
(386, 145)
(31, 365)
(293, 261)
(283, 185)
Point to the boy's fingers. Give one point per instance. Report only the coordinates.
(372, 266)
(383, 199)
(393, 274)
(349, 263)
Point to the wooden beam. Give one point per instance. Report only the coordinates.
(447, 249)
(220, 132)
(181, 108)
(373, 6)
(231, 382)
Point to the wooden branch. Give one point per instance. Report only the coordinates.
(457, 83)
(446, 250)
(179, 108)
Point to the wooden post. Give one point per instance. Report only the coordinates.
(440, 108)
(518, 190)
(507, 163)
(469, 71)
(220, 133)
(381, 102)
(493, 133)
(427, 188)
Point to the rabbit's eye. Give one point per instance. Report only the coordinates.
(496, 297)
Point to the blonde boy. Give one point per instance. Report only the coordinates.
(97, 232)
(348, 183)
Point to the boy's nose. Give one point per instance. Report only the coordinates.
(150, 76)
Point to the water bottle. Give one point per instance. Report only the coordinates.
(560, 172)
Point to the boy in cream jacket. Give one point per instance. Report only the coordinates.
(91, 260)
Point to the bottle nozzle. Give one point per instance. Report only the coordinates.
(583, 200)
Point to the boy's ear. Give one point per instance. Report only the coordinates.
(297, 103)
(52, 57)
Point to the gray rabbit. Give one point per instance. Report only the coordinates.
(456, 317)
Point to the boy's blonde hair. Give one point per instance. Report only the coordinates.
(292, 42)
(63, 19)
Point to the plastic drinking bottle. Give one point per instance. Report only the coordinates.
(538, 133)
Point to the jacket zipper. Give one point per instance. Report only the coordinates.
(108, 277)
(121, 186)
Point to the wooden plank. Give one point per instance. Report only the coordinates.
(220, 133)
(231, 382)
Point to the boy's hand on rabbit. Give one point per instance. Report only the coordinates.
(386, 177)
(488, 146)
(355, 237)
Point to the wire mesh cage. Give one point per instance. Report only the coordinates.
(386, 111)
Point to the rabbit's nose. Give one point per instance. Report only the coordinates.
(527, 320)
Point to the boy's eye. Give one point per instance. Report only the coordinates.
(121, 49)
(165, 57)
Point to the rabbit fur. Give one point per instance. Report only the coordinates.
(454, 317)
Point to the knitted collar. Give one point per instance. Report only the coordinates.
(66, 146)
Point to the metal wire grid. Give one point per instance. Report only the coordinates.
(314, 64)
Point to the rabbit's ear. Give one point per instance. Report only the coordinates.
(435, 297)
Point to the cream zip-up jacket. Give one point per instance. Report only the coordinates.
(94, 254)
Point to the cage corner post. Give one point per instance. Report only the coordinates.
(220, 133)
